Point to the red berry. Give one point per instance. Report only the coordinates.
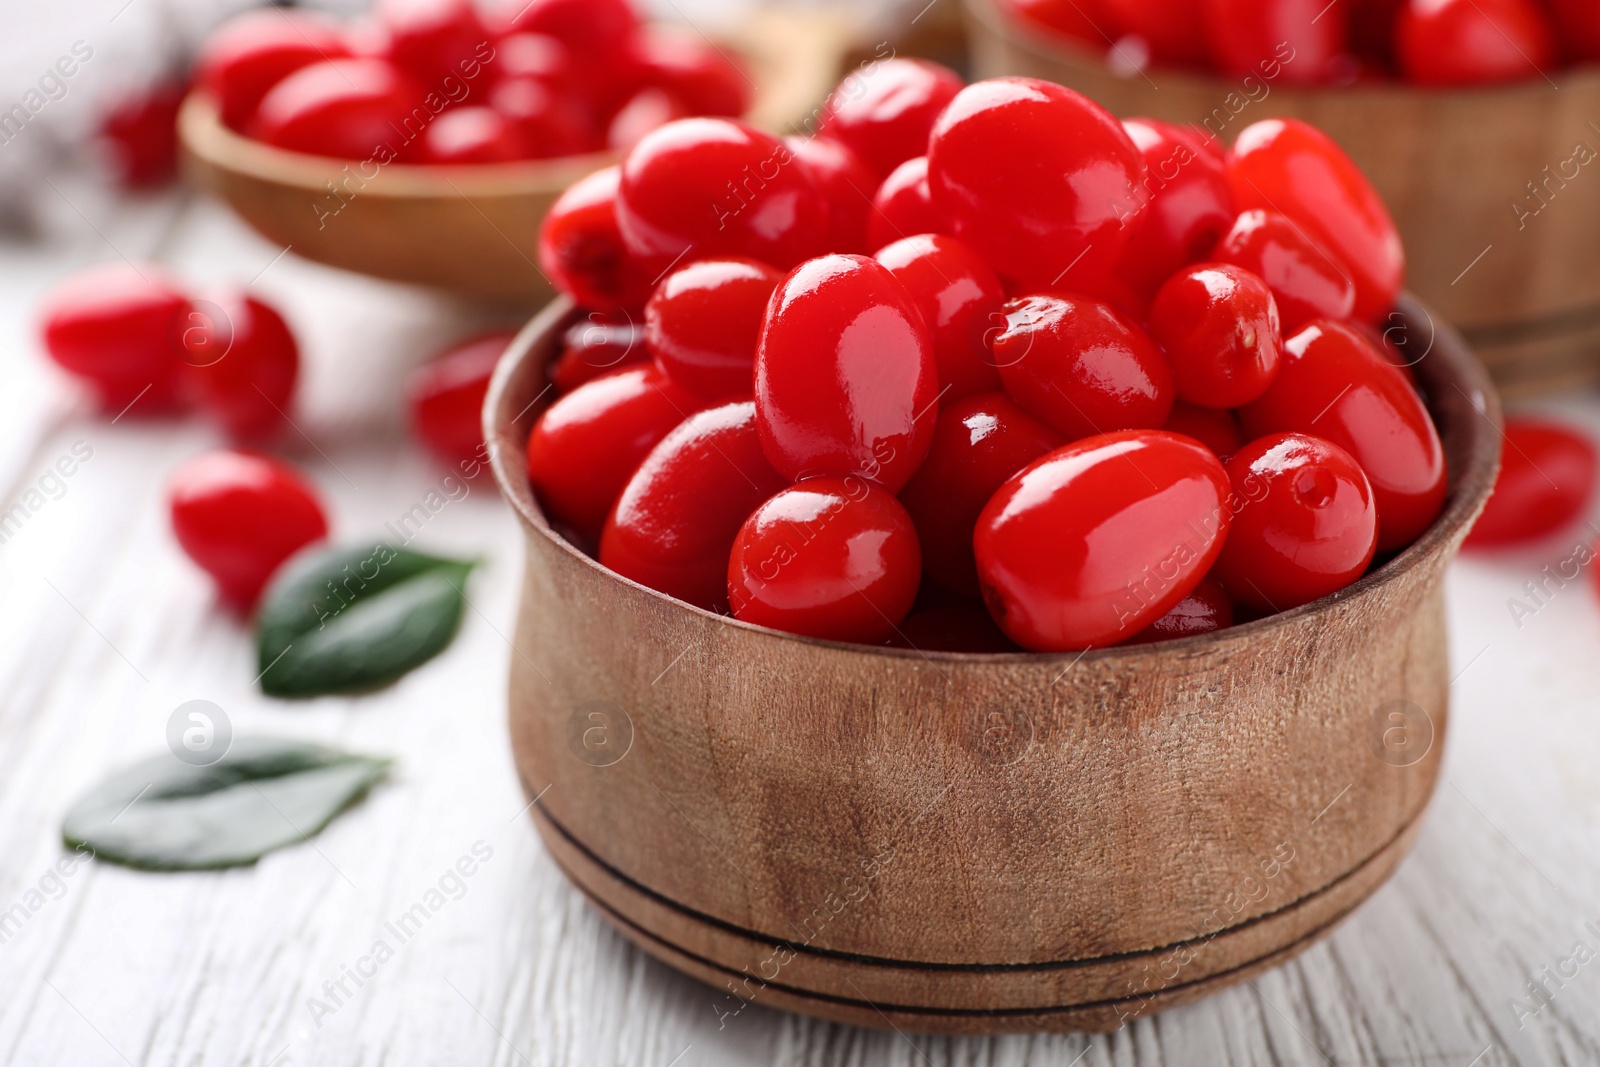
(435, 40)
(958, 296)
(645, 110)
(241, 362)
(251, 52)
(834, 558)
(593, 347)
(1218, 325)
(239, 516)
(902, 207)
(1036, 177)
(1546, 481)
(1578, 26)
(705, 78)
(951, 628)
(581, 250)
(1304, 524)
(1173, 30)
(1205, 610)
(586, 26)
(885, 111)
(845, 376)
(846, 185)
(117, 326)
(1306, 280)
(345, 108)
(1332, 383)
(715, 187)
(674, 525)
(1093, 542)
(1216, 429)
(474, 135)
(550, 122)
(703, 320)
(444, 398)
(1473, 42)
(1187, 203)
(1284, 40)
(1080, 367)
(141, 133)
(533, 55)
(586, 445)
(1289, 166)
(1074, 18)
(978, 443)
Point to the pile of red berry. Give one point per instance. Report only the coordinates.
(1313, 42)
(438, 81)
(1113, 379)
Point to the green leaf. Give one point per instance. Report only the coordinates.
(344, 620)
(263, 794)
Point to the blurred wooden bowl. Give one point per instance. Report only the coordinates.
(978, 843)
(1453, 166)
(472, 230)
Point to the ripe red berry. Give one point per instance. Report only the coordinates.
(978, 443)
(1546, 481)
(1186, 203)
(1473, 42)
(585, 26)
(1280, 40)
(345, 108)
(251, 52)
(1080, 367)
(1218, 325)
(241, 363)
(1332, 383)
(549, 121)
(1218, 430)
(1173, 30)
(1036, 177)
(645, 110)
(1304, 523)
(1205, 610)
(885, 111)
(832, 557)
(533, 55)
(684, 65)
(847, 186)
(958, 296)
(431, 39)
(444, 398)
(707, 187)
(674, 525)
(239, 516)
(594, 346)
(1073, 18)
(703, 320)
(1093, 542)
(140, 134)
(1289, 166)
(845, 376)
(474, 135)
(581, 250)
(902, 207)
(1307, 281)
(586, 445)
(117, 326)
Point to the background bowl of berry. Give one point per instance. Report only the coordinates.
(982, 613)
(424, 142)
(1472, 120)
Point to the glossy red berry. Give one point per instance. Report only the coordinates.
(1218, 430)
(705, 78)
(1331, 383)
(533, 55)
(1080, 367)
(1035, 176)
(444, 398)
(474, 135)
(847, 186)
(951, 628)
(1304, 522)
(716, 187)
(1205, 610)
(832, 557)
(958, 296)
(593, 347)
(1287, 41)
(885, 111)
(117, 327)
(344, 108)
(1172, 30)
(1090, 544)
(250, 53)
(1289, 166)
(581, 249)
(674, 525)
(1218, 325)
(703, 320)
(585, 26)
(1186, 203)
(239, 516)
(902, 207)
(1473, 42)
(550, 122)
(846, 382)
(1307, 281)
(435, 40)
(586, 445)
(1546, 481)
(978, 443)
(645, 110)
(241, 363)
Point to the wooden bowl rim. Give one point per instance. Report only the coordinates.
(1056, 47)
(1468, 489)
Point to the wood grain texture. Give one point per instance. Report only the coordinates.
(978, 843)
(1496, 191)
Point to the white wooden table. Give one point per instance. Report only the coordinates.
(105, 628)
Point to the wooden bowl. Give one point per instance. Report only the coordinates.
(978, 843)
(470, 229)
(1457, 168)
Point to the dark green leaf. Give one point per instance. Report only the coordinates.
(344, 620)
(165, 815)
